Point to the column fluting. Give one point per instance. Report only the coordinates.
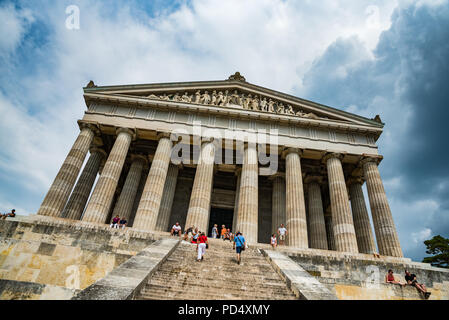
(278, 202)
(238, 173)
(317, 235)
(343, 225)
(125, 201)
(80, 194)
(386, 235)
(247, 219)
(59, 192)
(101, 199)
(296, 221)
(362, 224)
(330, 232)
(168, 195)
(150, 202)
(198, 213)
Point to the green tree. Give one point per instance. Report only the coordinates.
(438, 247)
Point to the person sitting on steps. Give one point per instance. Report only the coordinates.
(389, 278)
(273, 241)
(12, 214)
(188, 233)
(176, 229)
(411, 280)
(115, 222)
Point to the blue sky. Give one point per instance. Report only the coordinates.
(368, 57)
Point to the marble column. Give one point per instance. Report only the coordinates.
(168, 195)
(329, 232)
(247, 219)
(238, 173)
(278, 202)
(199, 206)
(80, 194)
(125, 201)
(150, 202)
(317, 235)
(362, 224)
(101, 199)
(343, 225)
(296, 221)
(143, 179)
(386, 235)
(59, 192)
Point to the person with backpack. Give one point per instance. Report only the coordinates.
(201, 246)
(239, 245)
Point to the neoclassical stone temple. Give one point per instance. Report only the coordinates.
(226, 152)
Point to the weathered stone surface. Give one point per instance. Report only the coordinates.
(343, 225)
(317, 235)
(59, 192)
(386, 234)
(101, 199)
(162, 223)
(148, 210)
(126, 281)
(19, 290)
(304, 285)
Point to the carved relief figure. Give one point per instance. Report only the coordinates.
(185, 97)
(255, 104)
(197, 97)
(205, 98)
(247, 102)
(220, 98)
(214, 98)
(280, 109)
(270, 105)
(263, 104)
(290, 110)
(235, 98)
(153, 96)
(176, 97)
(225, 99)
(164, 97)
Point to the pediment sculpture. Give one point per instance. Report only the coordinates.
(235, 99)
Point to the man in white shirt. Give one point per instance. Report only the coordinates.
(282, 232)
(176, 229)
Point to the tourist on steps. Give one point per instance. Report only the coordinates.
(201, 246)
(195, 235)
(273, 241)
(215, 232)
(115, 222)
(239, 245)
(123, 223)
(389, 278)
(228, 235)
(223, 231)
(176, 229)
(282, 232)
(411, 280)
(12, 214)
(188, 233)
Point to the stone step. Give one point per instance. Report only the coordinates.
(201, 292)
(168, 276)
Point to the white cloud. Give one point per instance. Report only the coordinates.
(421, 235)
(13, 24)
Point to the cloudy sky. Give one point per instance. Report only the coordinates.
(368, 57)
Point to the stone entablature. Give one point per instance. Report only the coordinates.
(290, 133)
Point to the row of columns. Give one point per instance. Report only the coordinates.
(351, 229)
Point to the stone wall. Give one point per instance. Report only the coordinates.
(61, 253)
(362, 277)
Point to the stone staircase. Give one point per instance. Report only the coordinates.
(217, 277)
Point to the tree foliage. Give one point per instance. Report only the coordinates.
(438, 247)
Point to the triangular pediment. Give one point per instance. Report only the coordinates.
(234, 93)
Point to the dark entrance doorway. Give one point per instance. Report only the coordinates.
(220, 216)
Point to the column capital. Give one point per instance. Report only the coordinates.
(289, 150)
(161, 135)
(91, 125)
(332, 155)
(370, 158)
(354, 180)
(99, 150)
(136, 156)
(311, 178)
(131, 132)
(277, 175)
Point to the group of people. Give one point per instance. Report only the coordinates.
(281, 234)
(193, 235)
(118, 223)
(410, 279)
(12, 214)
